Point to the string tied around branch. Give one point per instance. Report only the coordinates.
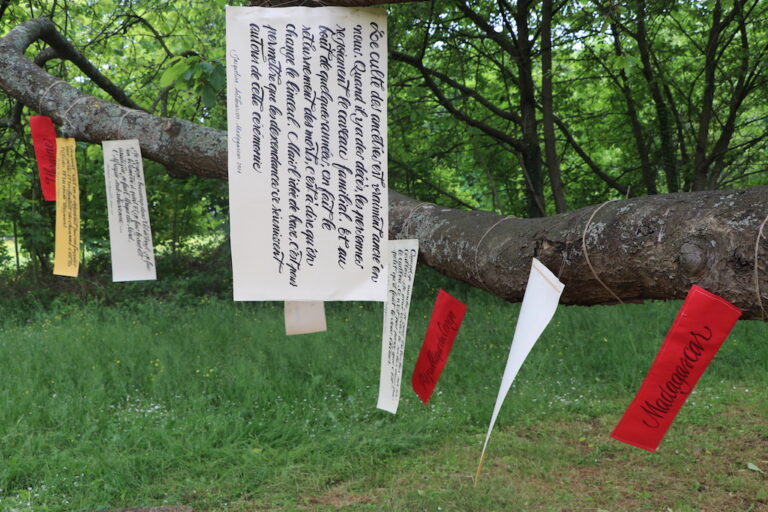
(65, 116)
(120, 123)
(477, 247)
(45, 93)
(586, 253)
(757, 277)
(407, 221)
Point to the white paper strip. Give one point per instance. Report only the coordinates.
(304, 317)
(542, 295)
(307, 140)
(401, 267)
(130, 233)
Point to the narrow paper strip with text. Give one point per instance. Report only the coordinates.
(44, 144)
(401, 268)
(67, 250)
(130, 233)
(447, 315)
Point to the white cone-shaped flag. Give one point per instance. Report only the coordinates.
(539, 304)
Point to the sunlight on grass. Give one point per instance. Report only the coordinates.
(211, 405)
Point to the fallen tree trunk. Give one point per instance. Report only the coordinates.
(652, 247)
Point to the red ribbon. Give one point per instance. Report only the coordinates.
(447, 315)
(44, 142)
(696, 335)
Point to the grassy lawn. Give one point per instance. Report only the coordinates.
(206, 403)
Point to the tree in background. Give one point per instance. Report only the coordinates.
(550, 103)
(478, 120)
(157, 64)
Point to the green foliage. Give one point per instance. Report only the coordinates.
(205, 78)
(595, 79)
(201, 270)
(170, 64)
(169, 58)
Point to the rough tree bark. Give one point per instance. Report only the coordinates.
(651, 247)
(642, 248)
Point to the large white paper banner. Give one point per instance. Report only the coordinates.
(401, 267)
(542, 295)
(304, 317)
(130, 234)
(307, 132)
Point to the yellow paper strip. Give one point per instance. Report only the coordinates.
(67, 253)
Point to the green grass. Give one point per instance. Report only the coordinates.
(207, 403)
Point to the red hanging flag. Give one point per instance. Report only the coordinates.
(444, 324)
(696, 335)
(44, 142)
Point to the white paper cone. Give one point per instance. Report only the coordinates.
(542, 295)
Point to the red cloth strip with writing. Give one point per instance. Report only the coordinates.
(44, 142)
(447, 314)
(701, 326)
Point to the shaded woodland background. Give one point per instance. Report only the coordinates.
(526, 109)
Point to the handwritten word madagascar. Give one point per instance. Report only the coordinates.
(44, 143)
(447, 315)
(696, 335)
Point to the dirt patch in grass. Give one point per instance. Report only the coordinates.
(575, 465)
(337, 499)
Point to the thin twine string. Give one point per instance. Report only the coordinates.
(757, 280)
(477, 247)
(66, 112)
(120, 124)
(45, 93)
(408, 219)
(564, 258)
(586, 254)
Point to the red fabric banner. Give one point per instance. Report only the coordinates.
(447, 315)
(44, 142)
(701, 326)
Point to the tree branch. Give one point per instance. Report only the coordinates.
(587, 159)
(504, 43)
(654, 247)
(64, 49)
(418, 64)
(159, 37)
(325, 3)
(431, 185)
(644, 248)
(186, 147)
(443, 100)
